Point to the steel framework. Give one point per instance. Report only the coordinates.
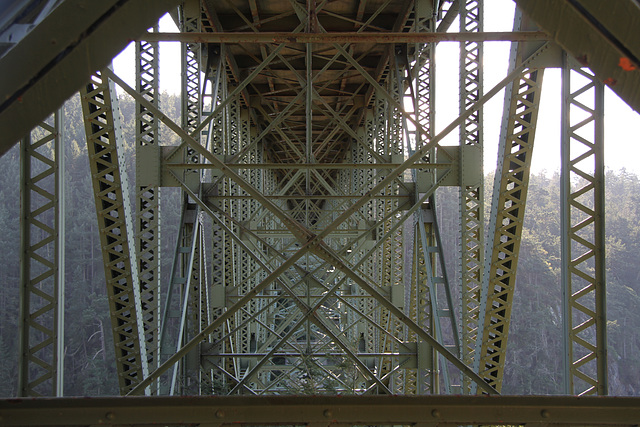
(42, 260)
(583, 281)
(111, 190)
(309, 168)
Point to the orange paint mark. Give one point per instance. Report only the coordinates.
(610, 82)
(582, 59)
(626, 64)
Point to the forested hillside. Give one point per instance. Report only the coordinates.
(535, 349)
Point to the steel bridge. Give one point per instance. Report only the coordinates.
(309, 259)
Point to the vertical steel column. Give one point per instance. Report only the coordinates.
(439, 302)
(583, 234)
(111, 192)
(424, 102)
(471, 196)
(430, 288)
(173, 333)
(191, 91)
(184, 280)
(41, 361)
(391, 267)
(148, 196)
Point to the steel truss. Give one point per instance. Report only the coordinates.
(310, 292)
(41, 362)
(110, 186)
(583, 257)
(522, 100)
(303, 167)
(471, 193)
(311, 284)
(148, 196)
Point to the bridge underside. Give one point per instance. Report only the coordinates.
(309, 256)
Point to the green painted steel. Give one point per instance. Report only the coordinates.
(148, 196)
(111, 192)
(507, 217)
(583, 246)
(472, 238)
(325, 411)
(41, 326)
(56, 58)
(311, 169)
(599, 35)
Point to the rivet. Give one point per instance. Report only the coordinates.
(109, 415)
(327, 413)
(435, 413)
(219, 413)
(544, 413)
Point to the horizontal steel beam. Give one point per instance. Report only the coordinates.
(310, 197)
(308, 166)
(321, 354)
(321, 410)
(388, 38)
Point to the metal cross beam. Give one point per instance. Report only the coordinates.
(333, 37)
(325, 411)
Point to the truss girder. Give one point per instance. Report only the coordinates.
(41, 324)
(148, 196)
(583, 236)
(471, 195)
(183, 293)
(435, 304)
(110, 186)
(507, 217)
(313, 251)
(311, 255)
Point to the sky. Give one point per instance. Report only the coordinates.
(622, 140)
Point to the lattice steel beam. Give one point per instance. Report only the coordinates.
(435, 298)
(41, 362)
(507, 215)
(471, 194)
(312, 241)
(583, 234)
(110, 186)
(148, 196)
